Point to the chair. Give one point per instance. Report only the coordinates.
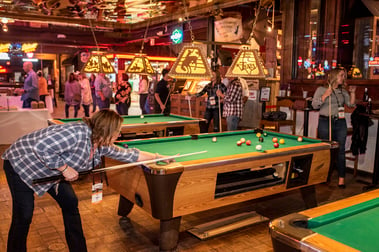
(350, 155)
(275, 125)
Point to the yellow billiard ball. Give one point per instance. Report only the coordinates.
(258, 135)
(281, 141)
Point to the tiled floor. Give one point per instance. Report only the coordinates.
(106, 232)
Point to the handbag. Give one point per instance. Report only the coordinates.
(77, 98)
(107, 91)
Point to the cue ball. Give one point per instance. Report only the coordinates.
(142, 116)
(265, 134)
(258, 134)
(214, 139)
(274, 140)
(248, 142)
(276, 145)
(281, 141)
(260, 139)
(299, 139)
(258, 147)
(239, 143)
(243, 140)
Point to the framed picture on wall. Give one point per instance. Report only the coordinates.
(265, 94)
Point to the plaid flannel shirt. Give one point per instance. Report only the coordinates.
(233, 100)
(211, 92)
(39, 154)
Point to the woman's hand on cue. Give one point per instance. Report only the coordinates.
(70, 174)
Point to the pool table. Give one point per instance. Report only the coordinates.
(226, 174)
(350, 224)
(158, 124)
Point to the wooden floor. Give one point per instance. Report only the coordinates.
(106, 232)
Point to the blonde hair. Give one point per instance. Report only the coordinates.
(104, 125)
(332, 76)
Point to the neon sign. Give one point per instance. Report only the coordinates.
(177, 36)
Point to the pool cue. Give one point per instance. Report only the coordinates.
(189, 105)
(330, 115)
(219, 111)
(116, 167)
(168, 96)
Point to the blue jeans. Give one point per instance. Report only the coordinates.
(339, 132)
(232, 122)
(122, 108)
(27, 103)
(23, 207)
(67, 110)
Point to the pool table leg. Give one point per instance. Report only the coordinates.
(309, 196)
(125, 206)
(169, 234)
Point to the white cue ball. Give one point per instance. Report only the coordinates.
(258, 147)
(142, 116)
(214, 139)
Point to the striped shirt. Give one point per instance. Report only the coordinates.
(40, 153)
(233, 100)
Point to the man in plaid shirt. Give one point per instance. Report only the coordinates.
(212, 109)
(232, 104)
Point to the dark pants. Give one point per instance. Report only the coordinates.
(93, 100)
(43, 98)
(212, 113)
(339, 132)
(23, 207)
(67, 110)
(142, 102)
(86, 110)
(122, 108)
(103, 104)
(27, 103)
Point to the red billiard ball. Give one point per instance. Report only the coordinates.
(239, 143)
(248, 142)
(299, 139)
(274, 140)
(276, 145)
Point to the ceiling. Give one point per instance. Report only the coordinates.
(115, 23)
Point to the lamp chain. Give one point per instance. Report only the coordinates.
(147, 28)
(255, 21)
(188, 20)
(93, 34)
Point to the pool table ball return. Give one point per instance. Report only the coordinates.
(153, 124)
(228, 173)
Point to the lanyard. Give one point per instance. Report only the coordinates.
(338, 102)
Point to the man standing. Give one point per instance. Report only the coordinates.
(162, 95)
(232, 104)
(30, 91)
(143, 92)
(102, 91)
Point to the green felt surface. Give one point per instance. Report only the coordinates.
(355, 226)
(136, 119)
(225, 145)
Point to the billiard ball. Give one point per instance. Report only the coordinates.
(276, 145)
(214, 139)
(248, 142)
(281, 141)
(145, 122)
(265, 134)
(142, 116)
(243, 140)
(260, 139)
(239, 143)
(299, 139)
(125, 146)
(258, 134)
(274, 139)
(258, 147)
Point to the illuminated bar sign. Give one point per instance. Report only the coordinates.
(4, 56)
(177, 36)
(373, 62)
(30, 47)
(4, 48)
(3, 69)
